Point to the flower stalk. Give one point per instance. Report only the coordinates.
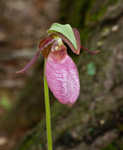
(48, 113)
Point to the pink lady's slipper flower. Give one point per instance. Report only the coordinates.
(60, 70)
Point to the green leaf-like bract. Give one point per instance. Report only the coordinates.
(65, 30)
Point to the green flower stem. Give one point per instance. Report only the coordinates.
(47, 109)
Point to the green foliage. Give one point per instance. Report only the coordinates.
(91, 69)
(76, 12)
(31, 141)
(4, 102)
(113, 1)
(95, 15)
(110, 147)
(66, 30)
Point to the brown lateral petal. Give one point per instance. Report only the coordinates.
(78, 41)
(43, 45)
(94, 52)
(31, 62)
(45, 42)
(48, 40)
